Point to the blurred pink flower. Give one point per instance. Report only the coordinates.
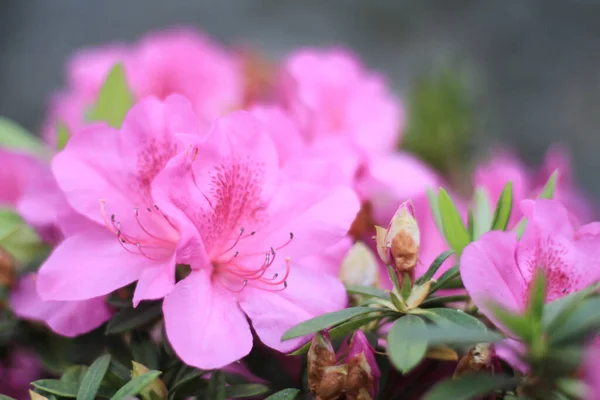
(18, 170)
(19, 368)
(499, 268)
(106, 175)
(67, 318)
(330, 94)
(172, 61)
(257, 225)
(505, 166)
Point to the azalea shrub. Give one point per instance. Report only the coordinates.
(195, 221)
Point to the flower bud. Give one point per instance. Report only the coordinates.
(479, 358)
(156, 386)
(399, 244)
(320, 356)
(333, 382)
(359, 266)
(363, 371)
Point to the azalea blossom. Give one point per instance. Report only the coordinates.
(257, 225)
(499, 268)
(221, 206)
(106, 176)
(172, 61)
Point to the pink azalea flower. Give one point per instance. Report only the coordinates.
(499, 268)
(17, 371)
(330, 94)
(16, 174)
(505, 166)
(259, 225)
(67, 318)
(172, 61)
(106, 175)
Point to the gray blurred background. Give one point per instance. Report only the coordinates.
(535, 65)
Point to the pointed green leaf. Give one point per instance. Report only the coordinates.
(536, 297)
(19, 239)
(15, 137)
(406, 286)
(432, 198)
(285, 394)
(245, 390)
(216, 386)
(115, 99)
(503, 208)
(470, 224)
(446, 277)
(443, 316)
(136, 385)
(367, 291)
(57, 387)
(435, 265)
(62, 136)
(93, 378)
(470, 386)
(4, 397)
(481, 213)
(455, 232)
(325, 321)
(518, 324)
(406, 350)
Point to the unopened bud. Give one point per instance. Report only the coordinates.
(7, 269)
(363, 371)
(320, 356)
(359, 266)
(363, 222)
(479, 358)
(399, 244)
(156, 386)
(333, 382)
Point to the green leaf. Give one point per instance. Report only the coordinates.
(115, 99)
(550, 186)
(581, 321)
(216, 386)
(19, 239)
(446, 276)
(15, 137)
(432, 198)
(74, 374)
(57, 387)
(503, 208)
(285, 394)
(62, 136)
(131, 318)
(536, 298)
(453, 334)
(406, 286)
(518, 324)
(342, 330)
(367, 291)
(245, 390)
(393, 277)
(558, 311)
(4, 397)
(470, 224)
(435, 265)
(455, 232)
(436, 301)
(442, 316)
(93, 378)
(144, 350)
(481, 213)
(470, 386)
(406, 350)
(136, 385)
(325, 321)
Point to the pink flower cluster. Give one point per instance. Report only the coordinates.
(238, 214)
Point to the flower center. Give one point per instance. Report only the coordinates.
(236, 268)
(152, 235)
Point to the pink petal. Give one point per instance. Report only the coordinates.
(155, 283)
(90, 264)
(67, 318)
(308, 294)
(17, 172)
(204, 324)
(548, 216)
(490, 273)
